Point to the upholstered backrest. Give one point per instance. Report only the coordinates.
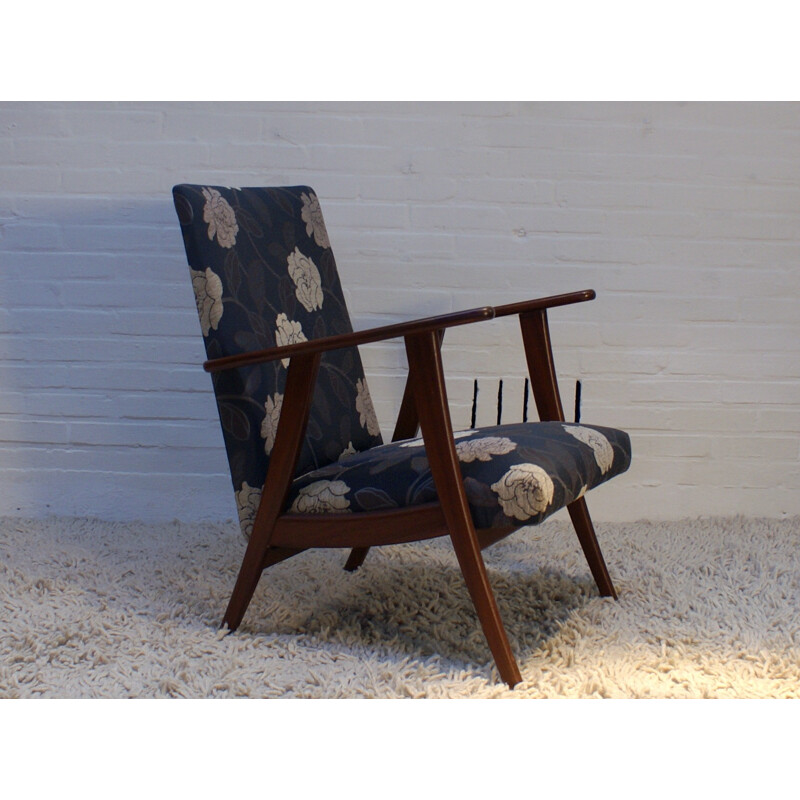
(263, 275)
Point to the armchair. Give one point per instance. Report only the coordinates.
(308, 463)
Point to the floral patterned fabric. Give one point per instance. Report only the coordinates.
(514, 474)
(263, 275)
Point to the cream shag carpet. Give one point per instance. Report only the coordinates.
(708, 609)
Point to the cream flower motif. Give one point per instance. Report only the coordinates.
(247, 501)
(208, 296)
(221, 218)
(288, 332)
(484, 449)
(312, 216)
(525, 490)
(367, 416)
(303, 271)
(603, 451)
(322, 497)
(269, 425)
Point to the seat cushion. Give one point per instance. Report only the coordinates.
(515, 474)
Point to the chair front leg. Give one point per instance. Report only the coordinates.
(298, 395)
(542, 372)
(427, 380)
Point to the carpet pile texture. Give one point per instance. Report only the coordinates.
(708, 608)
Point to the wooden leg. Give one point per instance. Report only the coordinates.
(425, 367)
(356, 558)
(579, 513)
(298, 395)
(541, 368)
(474, 570)
(248, 580)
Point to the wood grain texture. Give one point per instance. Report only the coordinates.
(298, 395)
(425, 366)
(544, 384)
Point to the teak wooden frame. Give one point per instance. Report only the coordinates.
(277, 536)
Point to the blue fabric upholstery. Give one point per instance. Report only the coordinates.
(264, 274)
(514, 474)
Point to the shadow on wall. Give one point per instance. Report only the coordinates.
(104, 407)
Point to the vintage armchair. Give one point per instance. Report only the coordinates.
(308, 464)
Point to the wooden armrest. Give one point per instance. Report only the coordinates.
(398, 330)
(541, 303)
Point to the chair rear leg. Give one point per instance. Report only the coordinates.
(542, 371)
(406, 427)
(356, 558)
(579, 513)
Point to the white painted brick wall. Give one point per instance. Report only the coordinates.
(684, 218)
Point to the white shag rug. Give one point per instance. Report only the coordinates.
(708, 608)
